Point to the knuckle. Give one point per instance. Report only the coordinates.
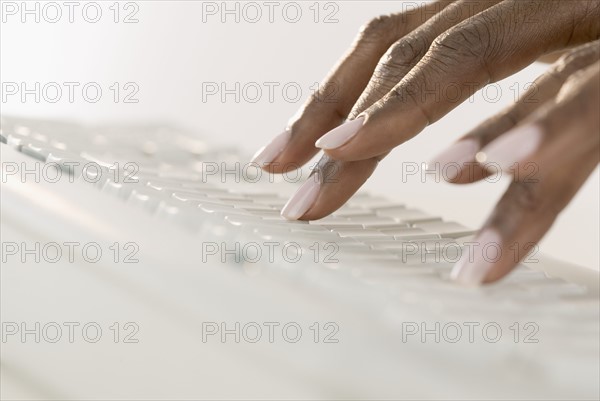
(475, 42)
(381, 28)
(529, 201)
(466, 44)
(376, 89)
(537, 197)
(580, 91)
(577, 59)
(400, 58)
(404, 54)
(522, 199)
(527, 196)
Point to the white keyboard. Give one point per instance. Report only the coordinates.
(368, 286)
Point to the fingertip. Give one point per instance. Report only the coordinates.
(302, 200)
(341, 135)
(455, 159)
(512, 147)
(268, 153)
(475, 264)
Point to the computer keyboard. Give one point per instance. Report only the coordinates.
(380, 263)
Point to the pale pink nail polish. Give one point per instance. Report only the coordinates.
(302, 200)
(477, 259)
(454, 158)
(513, 147)
(340, 135)
(268, 153)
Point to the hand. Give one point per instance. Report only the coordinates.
(549, 142)
(388, 85)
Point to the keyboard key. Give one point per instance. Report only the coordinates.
(417, 237)
(349, 211)
(243, 219)
(369, 239)
(37, 152)
(14, 141)
(192, 197)
(119, 189)
(399, 228)
(447, 229)
(224, 210)
(146, 198)
(260, 210)
(405, 215)
(365, 233)
(366, 201)
(372, 220)
(95, 174)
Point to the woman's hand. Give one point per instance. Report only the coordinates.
(406, 71)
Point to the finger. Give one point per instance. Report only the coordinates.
(551, 58)
(330, 104)
(457, 164)
(474, 53)
(564, 129)
(564, 150)
(522, 217)
(403, 55)
(329, 186)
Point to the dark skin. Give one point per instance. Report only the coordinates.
(399, 65)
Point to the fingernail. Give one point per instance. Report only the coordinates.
(512, 147)
(458, 154)
(268, 153)
(476, 261)
(340, 135)
(302, 200)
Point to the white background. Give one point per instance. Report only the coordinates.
(175, 48)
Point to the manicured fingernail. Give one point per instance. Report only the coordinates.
(456, 156)
(340, 135)
(268, 153)
(302, 200)
(477, 260)
(513, 147)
